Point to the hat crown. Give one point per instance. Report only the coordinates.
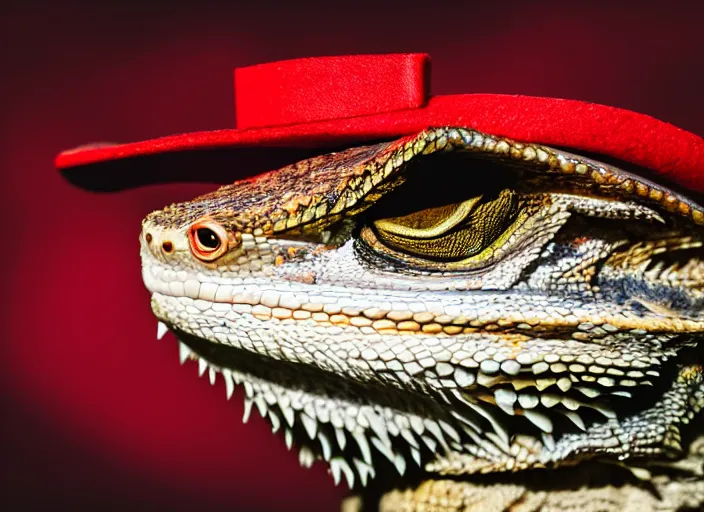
(328, 88)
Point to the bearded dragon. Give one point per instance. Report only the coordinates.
(453, 321)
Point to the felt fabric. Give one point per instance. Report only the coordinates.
(317, 89)
(336, 101)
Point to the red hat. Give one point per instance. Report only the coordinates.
(332, 102)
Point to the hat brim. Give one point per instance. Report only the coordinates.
(673, 154)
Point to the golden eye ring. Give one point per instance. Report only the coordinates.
(208, 240)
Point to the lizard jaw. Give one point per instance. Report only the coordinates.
(335, 422)
(482, 427)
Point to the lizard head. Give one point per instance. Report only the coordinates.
(448, 303)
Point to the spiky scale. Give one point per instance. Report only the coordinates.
(310, 425)
(540, 420)
(336, 470)
(202, 366)
(184, 352)
(363, 470)
(324, 445)
(247, 410)
(229, 384)
(383, 448)
(289, 415)
(363, 446)
(415, 454)
(400, 464)
(275, 421)
(341, 438)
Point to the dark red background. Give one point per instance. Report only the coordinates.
(97, 414)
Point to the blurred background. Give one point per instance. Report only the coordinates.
(98, 414)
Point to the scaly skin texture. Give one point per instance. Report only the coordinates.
(453, 321)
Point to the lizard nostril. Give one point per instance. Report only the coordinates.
(167, 247)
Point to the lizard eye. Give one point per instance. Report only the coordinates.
(208, 240)
(454, 236)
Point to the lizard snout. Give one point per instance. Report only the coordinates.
(162, 243)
